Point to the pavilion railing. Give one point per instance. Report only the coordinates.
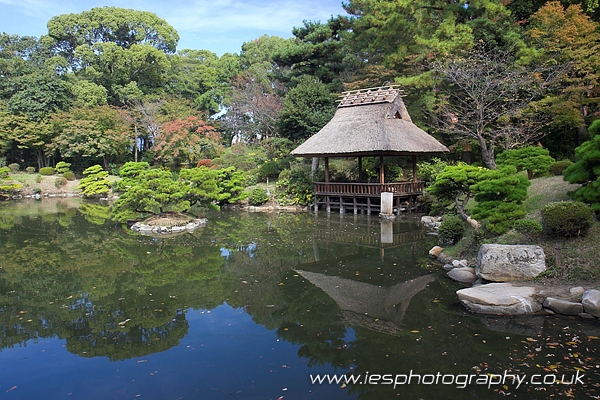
(368, 189)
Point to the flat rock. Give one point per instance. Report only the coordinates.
(463, 275)
(563, 307)
(505, 263)
(591, 302)
(499, 299)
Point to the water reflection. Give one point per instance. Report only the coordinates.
(380, 309)
(345, 294)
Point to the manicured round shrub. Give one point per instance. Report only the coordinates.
(567, 218)
(38, 178)
(4, 171)
(60, 182)
(258, 196)
(46, 171)
(14, 167)
(452, 229)
(558, 167)
(30, 170)
(528, 227)
(62, 167)
(69, 175)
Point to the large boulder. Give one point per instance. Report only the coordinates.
(505, 263)
(591, 302)
(499, 299)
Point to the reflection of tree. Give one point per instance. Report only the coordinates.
(107, 292)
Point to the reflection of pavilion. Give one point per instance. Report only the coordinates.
(378, 234)
(377, 308)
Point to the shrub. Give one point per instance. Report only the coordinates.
(60, 182)
(38, 178)
(62, 167)
(451, 230)
(95, 182)
(258, 196)
(14, 167)
(30, 170)
(46, 171)
(535, 160)
(558, 167)
(69, 175)
(567, 218)
(4, 171)
(528, 227)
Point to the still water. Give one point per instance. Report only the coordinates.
(251, 306)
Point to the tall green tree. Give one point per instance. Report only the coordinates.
(98, 133)
(114, 47)
(307, 108)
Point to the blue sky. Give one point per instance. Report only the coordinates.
(216, 25)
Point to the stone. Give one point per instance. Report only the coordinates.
(435, 251)
(499, 299)
(445, 259)
(563, 307)
(463, 275)
(448, 267)
(577, 292)
(463, 263)
(591, 302)
(585, 315)
(505, 263)
(455, 263)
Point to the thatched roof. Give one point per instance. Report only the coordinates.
(370, 122)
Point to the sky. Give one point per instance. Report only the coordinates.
(221, 26)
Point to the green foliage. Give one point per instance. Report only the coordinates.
(14, 167)
(153, 192)
(307, 108)
(38, 178)
(7, 186)
(528, 227)
(558, 167)
(427, 171)
(156, 191)
(499, 195)
(535, 160)
(567, 218)
(586, 169)
(129, 174)
(232, 184)
(453, 185)
(46, 171)
(62, 167)
(30, 170)
(295, 186)
(69, 175)
(95, 181)
(451, 230)
(258, 196)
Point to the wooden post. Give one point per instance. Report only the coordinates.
(326, 169)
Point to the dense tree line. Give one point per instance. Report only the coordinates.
(108, 85)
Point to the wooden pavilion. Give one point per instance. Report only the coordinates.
(369, 123)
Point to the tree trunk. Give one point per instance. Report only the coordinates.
(487, 154)
(314, 167)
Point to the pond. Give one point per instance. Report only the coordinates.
(259, 306)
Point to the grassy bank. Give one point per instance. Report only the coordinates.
(578, 261)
